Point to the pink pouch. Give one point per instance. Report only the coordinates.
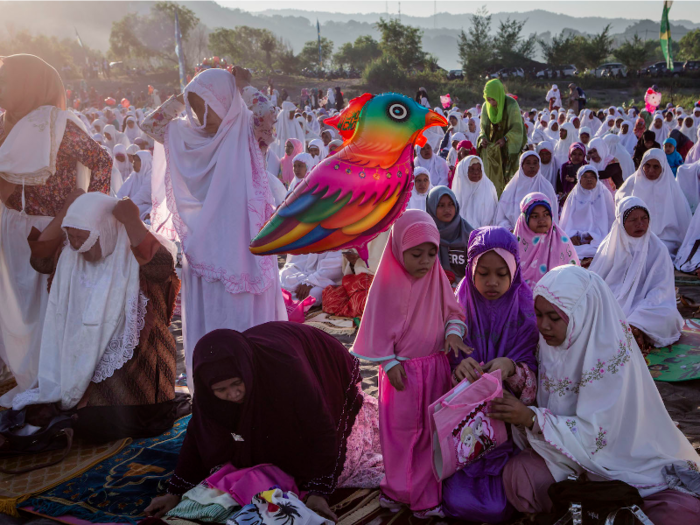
(242, 485)
(460, 429)
(296, 310)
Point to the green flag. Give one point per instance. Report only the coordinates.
(665, 35)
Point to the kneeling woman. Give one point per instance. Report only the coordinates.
(635, 265)
(280, 393)
(106, 348)
(598, 411)
(502, 331)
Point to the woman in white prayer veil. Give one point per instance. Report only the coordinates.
(112, 137)
(595, 399)
(591, 121)
(621, 154)
(658, 128)
(634, 263)
(549, 165)
(588, 213)
(694, 153)
(541, 129)
(224, 285)
(606, 127)
(655, 184)
(421, 188)
(452, 153)
(561, 149)
(287, 128)
(628, 140)
(138, 185)
(553, 97)
(476, 194)
(131, 129)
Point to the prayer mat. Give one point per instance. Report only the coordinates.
(680, 361)
(119, 489)
(331, 324)
(14, 489)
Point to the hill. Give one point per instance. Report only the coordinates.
(93, 21)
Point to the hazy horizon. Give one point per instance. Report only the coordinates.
(630, 9)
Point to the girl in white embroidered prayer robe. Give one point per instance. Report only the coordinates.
(476, 194)
(224, 285)
(287, 128)
(637, 269)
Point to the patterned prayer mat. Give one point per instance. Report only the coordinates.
(331, 324)
(14, 489)
(119, 489)
(681, 361)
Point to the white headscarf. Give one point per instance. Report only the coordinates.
(203, 196)
(591, 121)
(477, 201)
(138, 186)
(132, 133)
(417, 200)
(452, 154)
(551, 133)
(519, 186)
(689, 131)
(640, 276)
(555, 94)
(598, 409)
(436, 165)
(549, 171)
(621, 154)
(287, 129)
(660, 134)
(95, 311)
(628, 140)
(117, 138)
(472, 136)
(665, 201)
(125, 166)
(589, 212)
(605, 127)
(322, 151)
(603, 151)
(461, 125)
(694, 153)
(561, 150)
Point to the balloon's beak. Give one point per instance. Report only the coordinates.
(434, 119)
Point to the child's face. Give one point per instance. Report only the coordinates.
(540, 220)
(313, 151)
(545, 156)
(422, 183)
(577, 156)
(299, 169)
(453, 121)
(289, 148)
(689, 122)
(550, 324)
(585, 137)
(492, 276)
(420, 259)
(446, 209)
(648, 145)
(668, 148)
(472, 126)
(588, 180)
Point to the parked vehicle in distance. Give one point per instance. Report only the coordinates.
(691, 67)
(660, 69)
(455, 74)
(508, 72)
(566, 71)
(611, 70)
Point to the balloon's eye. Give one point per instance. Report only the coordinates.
(398, 112)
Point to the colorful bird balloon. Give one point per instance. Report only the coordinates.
(357, 193)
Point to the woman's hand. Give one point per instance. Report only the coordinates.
(351, 257)
(161, 505)
(575, 240)
(126, 211)
(484, 142)
(320, 506)
(511, 410)
(396, 375)
(468, 368)
(302, 291)
(505, 365)
(455, 343)
(501, 142)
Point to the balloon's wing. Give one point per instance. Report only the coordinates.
(338, 205)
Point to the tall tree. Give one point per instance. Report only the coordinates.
(635, 53)
(560, 50)
(308, 57)
(597, 48)
(402, 42)
(476, 47)
(248, 46)
(690, 46)
(511, 48)
(357, 55)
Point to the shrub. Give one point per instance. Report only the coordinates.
(384, 74)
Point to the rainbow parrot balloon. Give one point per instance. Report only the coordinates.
(358, 192)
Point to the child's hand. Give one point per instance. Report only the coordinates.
(396, 376)
(468, 368)
(454, 342)
(511, 410)
(505, 365)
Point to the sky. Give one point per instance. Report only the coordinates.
(635, 9)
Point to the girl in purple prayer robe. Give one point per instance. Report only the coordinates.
(502, 330)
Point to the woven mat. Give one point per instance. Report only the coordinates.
(15, 489)
(331, 324)
(680, 361)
